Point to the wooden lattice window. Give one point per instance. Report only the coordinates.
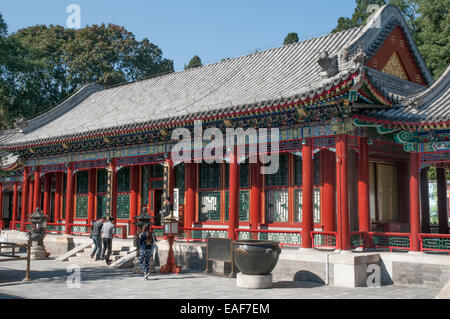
(209, 206)
(209, 176)
(145, 184)
(123, 180)
(82, 182)
(244, 205)
(179, 181)
(102, 181)
(156, 170)
(280, 178)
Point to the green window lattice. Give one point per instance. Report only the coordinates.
(82, 182)
(102, 181)
(209, 209)
(123, 180)
(280, 178)
(244, 205)
(209, 175)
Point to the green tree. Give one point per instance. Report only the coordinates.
(46, 64)
(291, 38)
(433, 34)
(194, 63)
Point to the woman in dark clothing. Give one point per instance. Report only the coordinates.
(146, 242)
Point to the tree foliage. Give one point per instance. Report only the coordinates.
(46, 64)
(291, 38)
(194, 63)
(429, 21)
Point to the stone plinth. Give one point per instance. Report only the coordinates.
(254, 281)
(37, 253)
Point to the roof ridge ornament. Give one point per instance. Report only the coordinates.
(328, 65)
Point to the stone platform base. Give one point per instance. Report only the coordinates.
(254, 281)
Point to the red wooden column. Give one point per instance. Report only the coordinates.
(307, 193)
(25, 184)
(47, 194)
(69, 197)
(37, 189)
(328, 159)
(114, 190)
(414, 167)
(442, 200)
(425, 201)
(134, 181)
(30, 197)
(234, 194)
(58, 196)
(92, 176)
(363, 189)
(15, 204)
(255, 195)
(1, 201)
(343, 224)
(190, 181)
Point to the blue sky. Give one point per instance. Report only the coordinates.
(211, 29)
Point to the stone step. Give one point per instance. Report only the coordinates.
(86, 261)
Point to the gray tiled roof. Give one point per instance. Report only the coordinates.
(431, 105)
(244, 83)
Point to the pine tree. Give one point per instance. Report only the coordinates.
(194, 63)
(291, 38)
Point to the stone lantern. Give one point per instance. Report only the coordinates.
(37, 234)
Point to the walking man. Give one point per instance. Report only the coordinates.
(96, 238)
(107, 236)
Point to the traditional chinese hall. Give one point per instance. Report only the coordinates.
(361, 124)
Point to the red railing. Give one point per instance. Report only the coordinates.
(435, 242)
(85, 230)
(322, 239)
(56, 230)
(359, 239)
(285, 237)
(201, 233)
(390, 240)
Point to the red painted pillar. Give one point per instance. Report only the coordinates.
(328, 190)
(425, 201)
(25, 184)
(414, 167)
(255, 195)
(134, 181)
(307, 193)
(47, 194)
(343, 224)
(31, 198)
(37, 189)
(114, 185)
(442, 200)
(234, 195)
(69, 197)
(1, 202)
(189, 207)
(58, 196)
(15, 203)
(363, 189)
(92, 175)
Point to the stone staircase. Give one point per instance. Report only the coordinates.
(119, 250)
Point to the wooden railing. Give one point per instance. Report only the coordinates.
(284, 237)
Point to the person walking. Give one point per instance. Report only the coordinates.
(107, 236)
(96, 238)
(146, 245)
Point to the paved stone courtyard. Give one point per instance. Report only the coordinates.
(50, 280)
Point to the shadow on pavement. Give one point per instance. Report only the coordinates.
(295, 284)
